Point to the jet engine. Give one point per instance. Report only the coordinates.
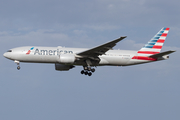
(66, 58)
(61, 67)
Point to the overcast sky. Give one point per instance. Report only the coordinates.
(38, 92)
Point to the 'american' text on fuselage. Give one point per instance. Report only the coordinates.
(51, 52)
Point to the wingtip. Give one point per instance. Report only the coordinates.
(173, 50)
(124, 36)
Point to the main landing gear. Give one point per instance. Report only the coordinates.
(17, 62)
(88, 71)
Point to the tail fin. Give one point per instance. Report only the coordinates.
(155, 44)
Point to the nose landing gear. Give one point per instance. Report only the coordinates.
(17, 62)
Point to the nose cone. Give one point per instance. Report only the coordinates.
(6, 55)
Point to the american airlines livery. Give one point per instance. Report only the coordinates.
(66, 58)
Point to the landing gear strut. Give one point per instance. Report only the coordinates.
(17, 62)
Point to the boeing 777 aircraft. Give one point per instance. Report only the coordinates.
(66, 58)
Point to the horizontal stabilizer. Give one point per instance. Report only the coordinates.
(162, 54)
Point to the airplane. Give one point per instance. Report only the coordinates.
(102, 55)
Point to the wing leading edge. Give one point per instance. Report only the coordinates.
(100, 50)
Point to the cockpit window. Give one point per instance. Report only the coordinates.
(9, 51)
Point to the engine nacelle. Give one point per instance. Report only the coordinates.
(66, 58)
(61, 67)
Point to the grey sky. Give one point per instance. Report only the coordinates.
(37, 91)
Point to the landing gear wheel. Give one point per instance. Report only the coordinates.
(85, 67)
(86, 73)
(82, 72)
(89, 73)
(18, 67)
(89, 68)
(92, 70)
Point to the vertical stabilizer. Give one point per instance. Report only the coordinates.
(155, 44)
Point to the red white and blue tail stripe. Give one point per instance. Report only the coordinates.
(153, 46)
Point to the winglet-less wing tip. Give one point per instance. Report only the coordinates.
(124, 36)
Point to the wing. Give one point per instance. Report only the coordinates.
(100, 50)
